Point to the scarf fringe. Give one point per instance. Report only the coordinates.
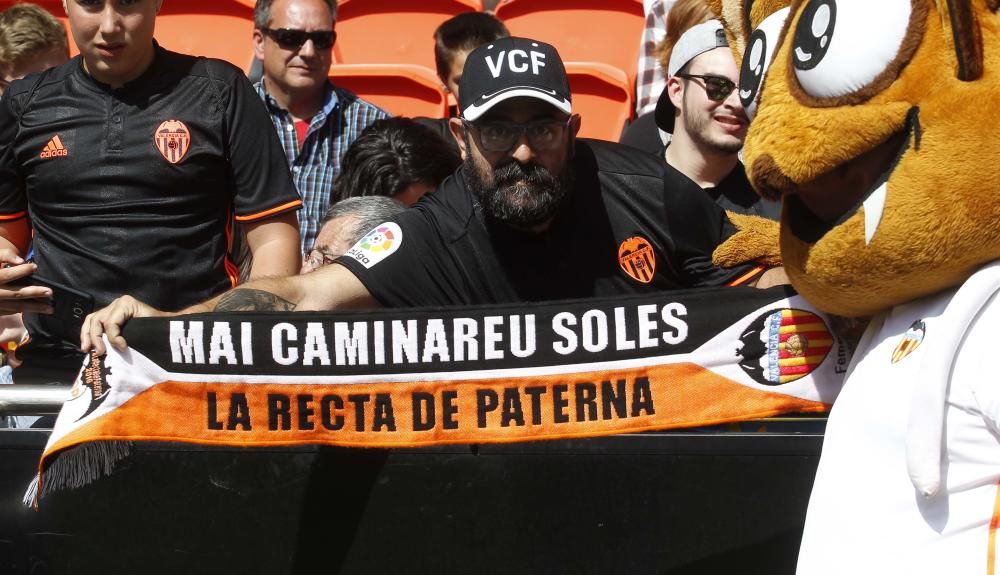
(30, 498)
(77, 467)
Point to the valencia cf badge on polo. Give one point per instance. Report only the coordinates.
(637, 259)
(172, 139)
(784, 345)
(911, 341)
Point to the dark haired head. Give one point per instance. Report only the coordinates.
(391, 155)
(262, 12)
(464, 33)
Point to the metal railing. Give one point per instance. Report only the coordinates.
(32, 399)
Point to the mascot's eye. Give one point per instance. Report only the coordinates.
(841, 46)
(757, 59)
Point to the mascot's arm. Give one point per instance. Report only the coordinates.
(756, 240)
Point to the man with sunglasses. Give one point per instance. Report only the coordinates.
(701, 108)
(124, 167)
(316, 121)
(533, 214)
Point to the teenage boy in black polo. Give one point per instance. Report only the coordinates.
(127, 163)
(533, 214)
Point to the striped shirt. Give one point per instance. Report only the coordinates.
(316, 163)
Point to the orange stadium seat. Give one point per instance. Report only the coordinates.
(400, 89)
(217, 28)
(602, 95)
(393, 31)
(606, 31)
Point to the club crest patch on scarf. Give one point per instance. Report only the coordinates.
(172, 139)
(93, 378)
(637, 259)
(912, 339)
(377, 244)
(784, 345)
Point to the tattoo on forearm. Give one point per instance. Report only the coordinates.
(245, 299)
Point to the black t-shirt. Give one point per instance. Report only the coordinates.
(734, 193)
(619, 232)
(131, 190)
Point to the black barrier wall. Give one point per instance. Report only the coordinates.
(663, 503)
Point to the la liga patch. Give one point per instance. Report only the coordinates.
(377, 244)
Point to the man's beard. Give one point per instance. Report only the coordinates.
(698, 123)
(521, 196)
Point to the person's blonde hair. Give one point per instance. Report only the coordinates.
(683, 15)
(27, 30)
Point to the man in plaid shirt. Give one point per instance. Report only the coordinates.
(316, 121)
(649, 80)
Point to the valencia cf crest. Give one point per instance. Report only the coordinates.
(93, 379)
(912, 339)
(784, 345)
(172, 139)
(637, 259)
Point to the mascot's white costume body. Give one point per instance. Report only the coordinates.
(908, 478)
(873, 120)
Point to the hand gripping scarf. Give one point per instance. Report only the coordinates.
(414, 377)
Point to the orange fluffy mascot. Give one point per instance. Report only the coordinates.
(872, 121)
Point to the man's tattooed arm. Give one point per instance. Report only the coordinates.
(248, 299)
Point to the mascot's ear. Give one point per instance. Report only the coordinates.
(732, 14)
(963, 34)
(741, 17)
(758, 11)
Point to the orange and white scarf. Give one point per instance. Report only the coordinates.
(402, 378)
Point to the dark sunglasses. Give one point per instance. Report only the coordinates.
(717, 88)
(290, 39)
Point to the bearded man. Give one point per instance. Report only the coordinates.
(532, 214)
(701, 108)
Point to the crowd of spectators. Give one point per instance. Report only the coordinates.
(284, 174)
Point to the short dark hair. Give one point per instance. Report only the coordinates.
(464, 32)
(368, 212)
(392, 154)
(262, 12)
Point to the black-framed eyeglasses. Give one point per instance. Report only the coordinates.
(717, 88)
(291, 39)
(502, 136)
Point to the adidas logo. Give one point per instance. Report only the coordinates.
(54, 149)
